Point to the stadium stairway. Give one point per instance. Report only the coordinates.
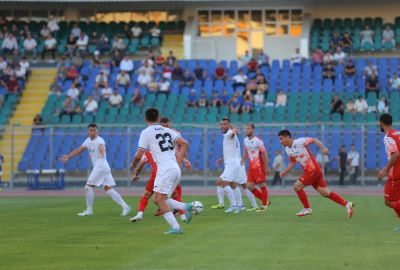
(31, 103)
(173, 43)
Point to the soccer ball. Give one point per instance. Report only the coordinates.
(197, 207)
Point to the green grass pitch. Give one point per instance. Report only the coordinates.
(40, 233)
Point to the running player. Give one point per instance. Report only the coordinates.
(101, 173)
(392, 168)
(258, 166)
(161, 143)
(298, 151)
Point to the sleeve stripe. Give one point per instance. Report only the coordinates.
(177, 138)
(142, 148)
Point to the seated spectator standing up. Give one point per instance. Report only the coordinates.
(318, 57)
(347, 43)
(137, 98)
(328, 72)
(335, 41)
(91, 106)
(383, 106)
(106, 91)
(350, 68)
(115, 100)
(361, 105)
(297, 58)
(73, 92)
(235, 105)
(372, 86)
(252, 65)
(171, 59)
(177, 72)
(71, 45)
(370, 70)
(220, 73)
(187, 79)
(25, 65)
(367, 36)
(337, 105)
(192, 99)
(164, 87)
(126, 65)
(20, 73)
(339, 56)
(202, 102)
(239, 80)
(44, 32)
(123, 80)
(215, 100)
(30, 47)
(198, 72)
(388, 37)
(281, 99)
(136, 31)
(70, 108)
(225, 99)
(50, 45)
(394, 83)
(350, 106)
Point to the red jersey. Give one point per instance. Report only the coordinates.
(149, 158)
(392, 145)
(299, 152)
(255, 149)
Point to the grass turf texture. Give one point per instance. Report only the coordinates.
(45, 233)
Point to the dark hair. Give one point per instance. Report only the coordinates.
(386, 119)
(226, 119)
(152, 114)
(285, 133)
(252, 125)
(92, 125)
(164, 120)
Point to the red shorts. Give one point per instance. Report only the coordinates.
(150, 184)
(392, 190)
(256, 176)
(315, 179)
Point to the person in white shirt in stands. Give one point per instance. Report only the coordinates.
(123, 79)
(3, 63)
(297, 58)
(73, 92)
(147, 68)
(367, 36)
(388, 36)
(394, 83)
(90, 106)
(281, 99)
(9, 44)
(339, 56)
(115, 99)
(278, 165)
(245, 59)
(164, 86)
(106, 91)
(143, 78)
(101, 172)
(328, 58)
(155, 31)
(45, 32)
(24, 64)
(239, 79)
(361, 105)
(52, 24)
(82, 43)
(353, 158)
(101, 79)
(30, 46)
(136, 31)
(76, 31)
(369, 70)
(20, 73)
(50, 45)
(126, 65)
(383, 106)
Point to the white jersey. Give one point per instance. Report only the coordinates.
(161, 143)
(93, 147)
(231, 147)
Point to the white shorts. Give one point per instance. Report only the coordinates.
(231, 172)
(242, 179)
(101, 176)
(166, 182)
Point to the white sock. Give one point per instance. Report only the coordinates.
(231, 196)
(89, 198)
(139, 214)
(238, 196)
(170, 218)
(220, 195)
(117, 198)
(173, 204)
(251, 197)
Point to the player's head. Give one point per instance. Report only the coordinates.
(277, 152)
(353, 147)
(164, 121)
(285, 137)
(152, 115)
(249, 129)
(385, 122)
(92, 130)
(225, 124)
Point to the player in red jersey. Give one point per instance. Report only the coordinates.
(298, 151)
(392, 168)
(255, 152)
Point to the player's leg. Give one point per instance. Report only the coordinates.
(238, 195)
(89, 193)
(116, 197)
(251, 198)
(220, 195)
(392, 197)
(251, 183)
(144, 200)
(265, 198)
(299, 188)
(161, 201)
(177, 196)
(226, 185)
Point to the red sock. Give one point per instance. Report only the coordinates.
(257, 193)
(303, 198)
(337, 199)
(397, 212)
(143, 203)
(395, 205)
(264, 195)
(178, 190)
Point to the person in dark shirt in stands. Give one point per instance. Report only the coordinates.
(342, 164)
(177, 72)
(347, 43)
(328, 72)
(12, 85)
(335, 41)
(350, 68)
(372, 85)
(337, 105)
(198, 72)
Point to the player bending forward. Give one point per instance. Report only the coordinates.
(298, 151)
(392, 168)
(101, 172)
(161, 141)
(254, 150)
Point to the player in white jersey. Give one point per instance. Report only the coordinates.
(161, 142)
(101, 173)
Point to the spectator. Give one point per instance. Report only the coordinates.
(215, 100)
(82, 43)
(225, 99)
(323, 161)
(25, 64)
(115, 100)
(118, 44)
(297, 58)
(171, 59)
(198, 72)
(91, 106)
(167, 72)
(248, 104)
(126, 65)
(137, 98)
(44, 32)
(369, 70)
(12, 85)
(72, 73)
(143, 78)
(252, 65)
(372, 85)
(263, 59)
(394, 83)
(73, 92)
(30, 47)
(342, 164)
(328, 58)
(335, 41)
(337, 105)
(104, 45)
(281, 99)
(101, 79)
(388, 37)
(55, 88)
(106, 91)
(262, 84)
(3, 63)
(192, 99)
(328, 72)
(71, 45)
(9, 44)
(127, 32)
(94, 39)
(252, 86)
(318, 57)
(367, 36)
(105, 68)
(76, 31)
(52, 24)
(239, 79)
(220, 73)
(155, 32)
(8, 72)
(20, 73)
(146, 67)
(160, 60)
(77, 60)
(153, 86)
(361, 105)
(1, 100)
(350, 68)
(25, 32)
(187, 79)
(244, 60)
(259, 100)
(123, 80)
(164, 87)
(353, 159)
(202, 102)
(383, 106)
(70, 107)
(50, 45)
(235, 105)
(347, 43)
(339, 56)
(96, 94)
(279, 165)
(136, 31)
(177, 72)
(350, 106)
(38, 120)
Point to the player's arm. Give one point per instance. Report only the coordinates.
(138, 170)
(138, 156)
(184, 147)
(102, 150)
(220, 160)
(288, 168)
(321, 146)
(392, 160)
(245, 156)
(266, 161)
(235, 132)
(73, 153)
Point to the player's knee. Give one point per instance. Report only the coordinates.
(297, 188)
(387, 203)
(325, 194)
(106, 188)
(147, 194)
